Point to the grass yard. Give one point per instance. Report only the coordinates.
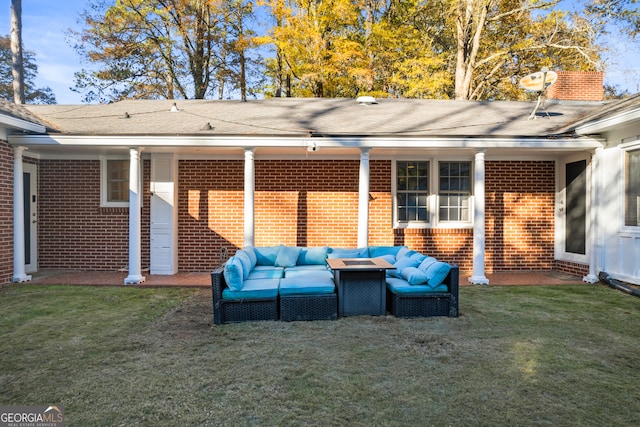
(517, 356)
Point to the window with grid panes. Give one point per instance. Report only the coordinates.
(412, 191)
(454, 191)
(117, 181)
(632, 189)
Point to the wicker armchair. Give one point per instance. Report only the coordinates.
(225, 311)
(426, 305)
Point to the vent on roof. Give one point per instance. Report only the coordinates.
(366, 100)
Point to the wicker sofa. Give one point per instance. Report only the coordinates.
(294, 283)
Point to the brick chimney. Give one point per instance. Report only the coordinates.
(577, 86)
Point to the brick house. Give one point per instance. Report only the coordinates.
(157, 187)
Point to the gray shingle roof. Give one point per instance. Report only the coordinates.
(296, 116)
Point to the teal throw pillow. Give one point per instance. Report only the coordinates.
(252, 255)
(266, 255)
(400, 265)
(414, 276)
(437, 272)
(424, 265)
(349, 253)
(313, 256)
(379, 251)
(405, 251)
(233, 274)
(287, 256)
(245, 261)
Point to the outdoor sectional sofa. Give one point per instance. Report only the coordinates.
(295, 283)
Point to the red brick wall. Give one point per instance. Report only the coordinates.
(577, 86)
(520, 197)
(313, 203)
(297, 202)
(303, 203)
(74, 231)
(6, 213)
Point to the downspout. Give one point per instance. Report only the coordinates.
(617, 284)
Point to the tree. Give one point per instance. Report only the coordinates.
(16, 51)
(157, 49)
(33, 95)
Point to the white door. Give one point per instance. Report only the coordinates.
(30, 176)
(163, 250)
(573, 206)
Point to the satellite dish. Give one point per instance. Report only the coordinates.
(538, 82)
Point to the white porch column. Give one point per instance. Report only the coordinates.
(19, 274)
(592, 277)
(363, 199)
(249, 195)
(478, 277)
(135, 258)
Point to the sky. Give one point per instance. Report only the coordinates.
(44, 31)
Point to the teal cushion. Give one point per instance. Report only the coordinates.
(379, 251)
(254, 289)
(418, 256)
(306, 286)
(400, 286)
(349, 253)
(266, 255)
(252, 256)
(405, 251)
(246, 262)
(401, 264)
(233, 274)
(304, 272)
(312, 256)
(426, 263)
(313, 267)
(274, 273)
(287, 256)
(414, 276)
(389, 258)
(437, 272)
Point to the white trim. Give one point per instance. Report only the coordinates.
(24, 125)
(560, 210)
(608, 123)
(19, 274)
(104, 203)
(162, 141)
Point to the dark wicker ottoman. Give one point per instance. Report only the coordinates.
(308, 307)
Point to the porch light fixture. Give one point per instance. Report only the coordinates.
(312, 146)
(207, 127)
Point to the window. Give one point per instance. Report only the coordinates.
(632, 189)
(114, 182)
(412, 191)
(117, 181)
(454, 191)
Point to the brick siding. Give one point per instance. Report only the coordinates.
(520, 200)
(74, 231)
(577, 86)
(6, 213)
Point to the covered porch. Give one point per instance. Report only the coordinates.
(203, 280)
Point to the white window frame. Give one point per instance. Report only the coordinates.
(433, 199)
(456, 224)
(104, 176)
(633, 147)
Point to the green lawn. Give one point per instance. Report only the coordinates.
(517, 356)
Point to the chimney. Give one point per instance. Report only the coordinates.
(577, 86)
